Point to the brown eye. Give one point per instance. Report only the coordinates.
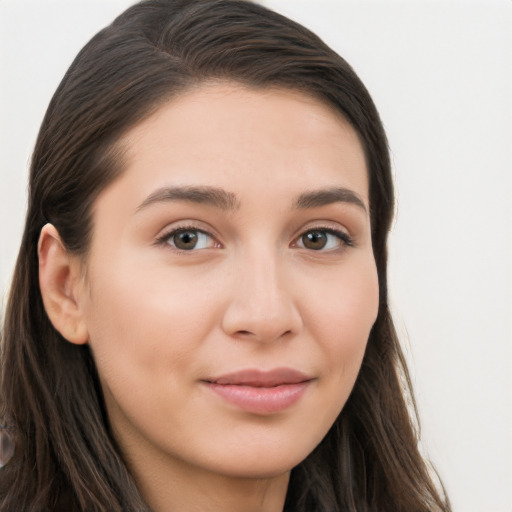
(324, 240)
(188, 239)
(185, 240)
(314, 240)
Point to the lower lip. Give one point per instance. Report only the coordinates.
(260, 400)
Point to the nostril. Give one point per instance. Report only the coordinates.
(260, 320)
(249, 334)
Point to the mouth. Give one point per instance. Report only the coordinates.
(261, 392)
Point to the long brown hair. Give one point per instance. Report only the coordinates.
(51, 400)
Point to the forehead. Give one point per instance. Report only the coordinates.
(224, 133)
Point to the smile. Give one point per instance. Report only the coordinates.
(260, 392)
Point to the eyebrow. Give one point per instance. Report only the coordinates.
(228, 201)
(212, 196)
(327, 196)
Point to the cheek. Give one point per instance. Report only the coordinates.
(145, 336)
(340, 316)
(141, 324)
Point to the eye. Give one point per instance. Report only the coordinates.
(188, 239)
(323, 239)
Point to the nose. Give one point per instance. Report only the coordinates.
(262, 305)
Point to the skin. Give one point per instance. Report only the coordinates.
(253, 293)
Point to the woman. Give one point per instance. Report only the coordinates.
(198, 317)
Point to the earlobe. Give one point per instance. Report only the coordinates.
(59, 281)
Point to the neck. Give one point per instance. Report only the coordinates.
(179, 487)
(170, 484)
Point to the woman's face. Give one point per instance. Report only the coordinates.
(231, 284)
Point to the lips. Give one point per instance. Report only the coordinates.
(261, 392)
(262, 379)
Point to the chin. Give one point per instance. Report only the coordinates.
(262, 463)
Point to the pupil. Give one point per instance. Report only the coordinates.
(185, 240)
(314, 240)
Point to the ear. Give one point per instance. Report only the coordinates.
(60, 281)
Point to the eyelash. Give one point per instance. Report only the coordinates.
(345, 239)
(166, 238)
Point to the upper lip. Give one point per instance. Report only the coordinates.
(261, 378)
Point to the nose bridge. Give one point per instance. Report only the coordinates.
(262, 305)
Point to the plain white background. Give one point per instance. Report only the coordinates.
(440, 73)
